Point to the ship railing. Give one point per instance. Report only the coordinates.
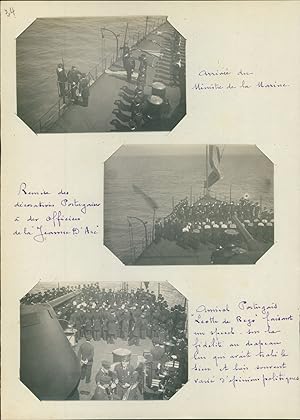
(57, 110)
(52, 114)
(139, 244)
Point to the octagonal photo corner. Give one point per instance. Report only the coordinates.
(188, 204)
(114, 341)
(123, 74)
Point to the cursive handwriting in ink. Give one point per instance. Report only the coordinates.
(243, 344)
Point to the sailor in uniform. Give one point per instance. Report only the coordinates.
(104, 390)
(104, 372)
(74, 76)
(123, 373)
(133, 393)
(86, 357)
(84, 89)
(61, 79)
(101, 391)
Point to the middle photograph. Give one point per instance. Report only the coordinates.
(188, 204)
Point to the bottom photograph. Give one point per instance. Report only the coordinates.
(115, 341)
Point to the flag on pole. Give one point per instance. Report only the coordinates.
(214, 159)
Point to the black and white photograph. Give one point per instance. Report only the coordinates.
(114, 341)
(101, 74)
(188, 205)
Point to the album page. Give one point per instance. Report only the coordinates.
(150, 209)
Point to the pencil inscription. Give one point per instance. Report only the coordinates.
(225, 79)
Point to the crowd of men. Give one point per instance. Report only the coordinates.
(177, 63)
(47, 295)
(212, 221)
(129, 315)
(73, 84)
(97, 314)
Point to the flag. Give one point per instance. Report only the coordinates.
(151, 203)
(214, 158)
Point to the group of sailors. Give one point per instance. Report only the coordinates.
(147, 114)
(137, 107)
(213, 222)
(159, 374)
(77, 84)
(95, 314)
(129, 315)
(177, 62)
(46, 295)
(136, 314)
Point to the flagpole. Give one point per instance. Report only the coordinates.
(125, 36)
(153, 222)
(260, 205)
(206, 170)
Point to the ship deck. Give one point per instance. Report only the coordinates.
(167, 252)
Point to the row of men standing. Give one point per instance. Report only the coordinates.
(132, 324)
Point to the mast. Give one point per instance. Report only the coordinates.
(206, 171)
(146, 28)
(125, 36)
(260, 205)
(153, 223)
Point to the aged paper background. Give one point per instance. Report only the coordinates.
(260, 36)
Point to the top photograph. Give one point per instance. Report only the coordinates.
(101, 74)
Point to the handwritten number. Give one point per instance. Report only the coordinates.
(10, 12)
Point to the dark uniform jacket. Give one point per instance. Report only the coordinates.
(136, 329)
(86, 352)
(123, 375)
(158, 354)
(73, 76)
(143, 324)
(84, 87)
(61, 75)
(97, 323)
(112, 324)
(103, 375)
